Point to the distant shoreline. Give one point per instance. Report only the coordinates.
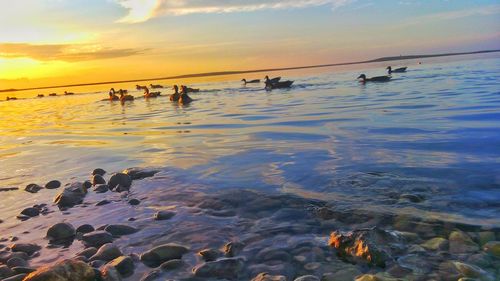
(221, 73)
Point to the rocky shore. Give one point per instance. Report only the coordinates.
(131, 225)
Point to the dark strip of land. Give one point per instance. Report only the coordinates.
(220, 73)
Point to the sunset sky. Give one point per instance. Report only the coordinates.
(49, 42)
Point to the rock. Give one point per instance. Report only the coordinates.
(97, 263)
(85, 228)
(232, 249)
(482, 260)
(171, 264)
(97, 238)
(98, 171)
(30, 212)
(101, 188)
(22, 217)
(33, 188)
(138, 173)
(61, 231)
(121, 188)
(53, 184)
(412, 198)
(121, 179)
(367, 277)
(372, 246)
(71, 195)
(109, 273)
(267, 277)
(209, 254)
(228, 268)
(153, 275)
(124, 265)
(163, 253)
(307, 278)
(13, 262)
(27, 248)
(5, 272)
(472, 271)
(102, 202)
(134, 202)
(107, 252)
(87, 185)
(5, 256)
(98, 179)
(492, 248)
(63, 271)
(120, 229)
(88, 253)
(461, 243)
(164, 215)
(4, 189)
(436, 244)
(22, 269)
(485, 237)
(18, 277)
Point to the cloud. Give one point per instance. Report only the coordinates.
(64, 52)
(143, 10)
(451, 15)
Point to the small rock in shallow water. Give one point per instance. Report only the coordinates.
(101, 188)
(98, 171)
(102, 202)
(492, 248)
(307, 278)
(23, 217)
(209, 254)
(18, 277)
(232, 249)
(138, 173)
(97, 238)
(171, 264)
(87, 185)
(435, 244)
(85, 228)
(163, 253)
(61, 231)
(119, 179)
(97, 263)
(71, 195)
(107, 252)
(5, 272)
(120, 229)
(121, 188)
(228, 268)
(164, 215)
(33, 188)
(153, 275)
(461, 243)
(53, 184)
(13, 262)
(268, 277)
(30, 212)
(3, 189)
(124, 265)
(109, 273)
(65, 270)
(134, 202)
(89, 252)
(98, 179)
(23, 269)
(27, 248)
(412, 198)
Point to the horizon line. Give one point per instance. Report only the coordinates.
(234, 72)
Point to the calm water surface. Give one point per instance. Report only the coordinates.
(434, 130)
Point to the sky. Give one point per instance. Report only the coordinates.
(53, 42)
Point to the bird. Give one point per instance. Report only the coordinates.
(139, 87)
(52, 94)
(278, 85)
(250, 82)
(397, 70)
(155, 86)
(11, 98)
(40, 96)
(374, 79)
(68, 93)
(274, 80)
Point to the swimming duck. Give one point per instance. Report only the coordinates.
(52, 95)
(40, 96)
(155, 86)
(139, 87)
(374, 79)
(184, 98)
(250, 82)
(397, 70)
(278, 85)
(68, 93)
(274, 80)
(112, 94)
(124, 97)
(175, 96)
(11, 98)
(148, 94)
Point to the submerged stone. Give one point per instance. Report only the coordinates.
(61, 231)
(53, 184)
(71, 195)
(97, 238)
(164, 215)
(228, 268)
(62, 271)
(492, 248)
(124, 265)
(138, 173)
(120, 229)
(121, 179)
(435, 244)
(33, 188)
(27, 248)
(163, 253)
(461, 243)
(106, 252)
(268, 277)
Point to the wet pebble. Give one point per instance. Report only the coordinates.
(98, 179)
(109, 273)
(18, 277)
(134, 202)
(97, 238)
(63, 270)
(85, 228)
(97, 263)
(101, 188)
(98, 171)
(13, 262)
(120, 229)
(27, 248)
(264, 276)
(228, 268)
(61, 231)
(30, 212)
(103, 202)
(33, 188)
(5, 272)
(121, 179)
(139, 173)
(53, 184)
(89, 252)
(164, 215)
(163, 253)
(307, 278)
(232, 249)
(3, 189)
(172, 264)
(106, 252)
(124, 265)
(461, 243)
(23, 269)
(492, 248)
(209, 254)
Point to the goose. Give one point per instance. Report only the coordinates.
(250, 82)
(155, 86)
(68, 93)
(397, 70)
(274, 80)
(374, 79)
(278, 85)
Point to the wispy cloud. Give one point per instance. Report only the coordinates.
(451, 15)
(143, 10)
(64, 52)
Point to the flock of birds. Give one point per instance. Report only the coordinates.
(182, 97)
